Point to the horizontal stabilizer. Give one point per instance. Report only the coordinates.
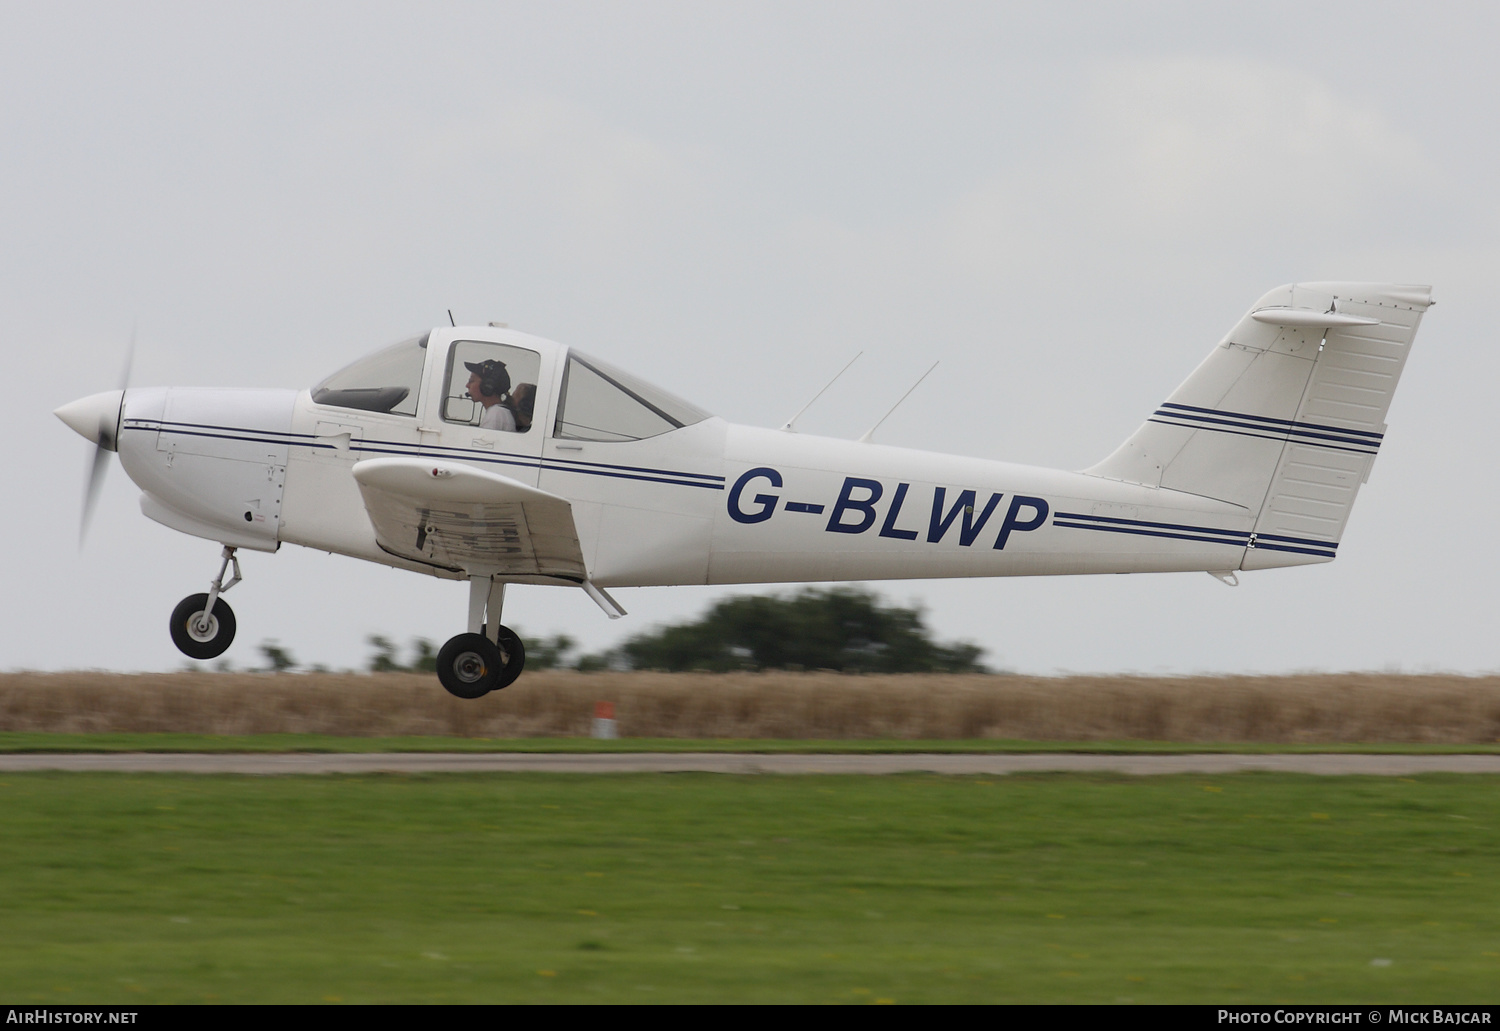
(1296, 318)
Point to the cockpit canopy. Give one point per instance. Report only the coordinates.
(596, 401)
(600, 402)
(386, 381)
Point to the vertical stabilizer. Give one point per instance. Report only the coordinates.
(1285, 417)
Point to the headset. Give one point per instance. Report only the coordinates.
(494, 381)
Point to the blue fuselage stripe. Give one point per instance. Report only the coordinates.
(1151, 533)
(1143, 522)
(1205, 534)
(396, 448)
(1327, 553)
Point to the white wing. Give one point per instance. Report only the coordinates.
(458, 517)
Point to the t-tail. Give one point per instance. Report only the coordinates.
(1285, 417)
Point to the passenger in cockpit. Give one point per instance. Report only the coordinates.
(522, 403)
(488, 385)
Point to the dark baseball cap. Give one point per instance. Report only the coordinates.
(490, 369)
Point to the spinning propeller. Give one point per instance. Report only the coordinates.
(97, 417)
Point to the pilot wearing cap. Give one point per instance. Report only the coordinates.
(488, 385)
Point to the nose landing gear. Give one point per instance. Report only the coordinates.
(203, 624)
(490, 656)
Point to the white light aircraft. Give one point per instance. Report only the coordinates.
(491, 456)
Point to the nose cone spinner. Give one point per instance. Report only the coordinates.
(96, 417)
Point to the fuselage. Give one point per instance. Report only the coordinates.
(704, 502)
(491, 456)
(495, 457)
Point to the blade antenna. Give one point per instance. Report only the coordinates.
(450, 318)
(871, 431)
(790, 425)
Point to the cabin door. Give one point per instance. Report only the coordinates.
(488, 396)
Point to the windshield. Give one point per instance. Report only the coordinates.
(600, 402)
(386, 381)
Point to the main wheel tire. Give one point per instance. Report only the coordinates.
(208, 643)
(469, 666)
(515, 656)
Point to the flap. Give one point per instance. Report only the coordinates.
(459, 517)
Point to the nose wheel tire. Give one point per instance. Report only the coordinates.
(199, 634)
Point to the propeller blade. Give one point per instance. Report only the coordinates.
(106, 440)
(91, 489)
(129, 360)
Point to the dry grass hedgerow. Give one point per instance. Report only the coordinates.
(1363, 707)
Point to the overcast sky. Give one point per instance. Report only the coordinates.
(1065, 204)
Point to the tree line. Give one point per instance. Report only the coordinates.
(848, 629)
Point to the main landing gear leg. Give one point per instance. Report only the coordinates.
(203, 624)
(490, 656)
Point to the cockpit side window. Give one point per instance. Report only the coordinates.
(387, 381)
(600, 402)
(492, 386)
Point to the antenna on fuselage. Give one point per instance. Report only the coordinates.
(871, 431)
(450, 318)
(790, 424)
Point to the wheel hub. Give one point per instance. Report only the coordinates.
(203, 627)
(469, 667)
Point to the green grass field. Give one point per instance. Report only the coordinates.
(655, 888)
(22, 742)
